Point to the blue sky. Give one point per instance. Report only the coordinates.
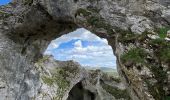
(3, 2)
(83, 47)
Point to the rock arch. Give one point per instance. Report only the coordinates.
(27, 27)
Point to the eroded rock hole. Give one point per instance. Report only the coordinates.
(84, 47)
(79, 93)
(77, 56)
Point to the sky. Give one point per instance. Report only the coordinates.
(3, 2)
(84, 47)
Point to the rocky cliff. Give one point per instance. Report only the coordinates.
(67, 80)
(137, 30)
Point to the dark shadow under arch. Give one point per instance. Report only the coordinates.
(79, 93)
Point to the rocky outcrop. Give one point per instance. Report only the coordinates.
(67, 80)
(136, 30)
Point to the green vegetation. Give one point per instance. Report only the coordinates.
(163, 32)
(117, 93)
(162, 49)
(4, 14)
(60, 78)
(129, 37)
(167, 98)
(48, 80)
(135, 56)
(82, 11)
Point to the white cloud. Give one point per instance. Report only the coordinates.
(81, 34)
(92, 55)
(78, 44)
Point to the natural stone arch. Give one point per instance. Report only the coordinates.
(27, 27)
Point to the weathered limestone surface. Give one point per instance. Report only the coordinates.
(135, 29)
(67, 80)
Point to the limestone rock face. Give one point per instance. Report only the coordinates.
(67, 80)
(137, 30)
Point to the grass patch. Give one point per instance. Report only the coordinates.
(163, 32)
(134, 56)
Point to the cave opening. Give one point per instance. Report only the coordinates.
(86, 48)
(79, 93)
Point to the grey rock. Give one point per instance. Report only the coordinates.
(28, 26)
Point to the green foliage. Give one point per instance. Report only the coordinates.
(164, 54)
(117, 93)
(163, 32)
(134, 55)
(162, 49)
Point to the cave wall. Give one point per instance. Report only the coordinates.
(130, 26)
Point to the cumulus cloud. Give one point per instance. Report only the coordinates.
(81, 34)
(91, 55)
(78, 44)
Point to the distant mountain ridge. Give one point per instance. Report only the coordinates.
(108, 70)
